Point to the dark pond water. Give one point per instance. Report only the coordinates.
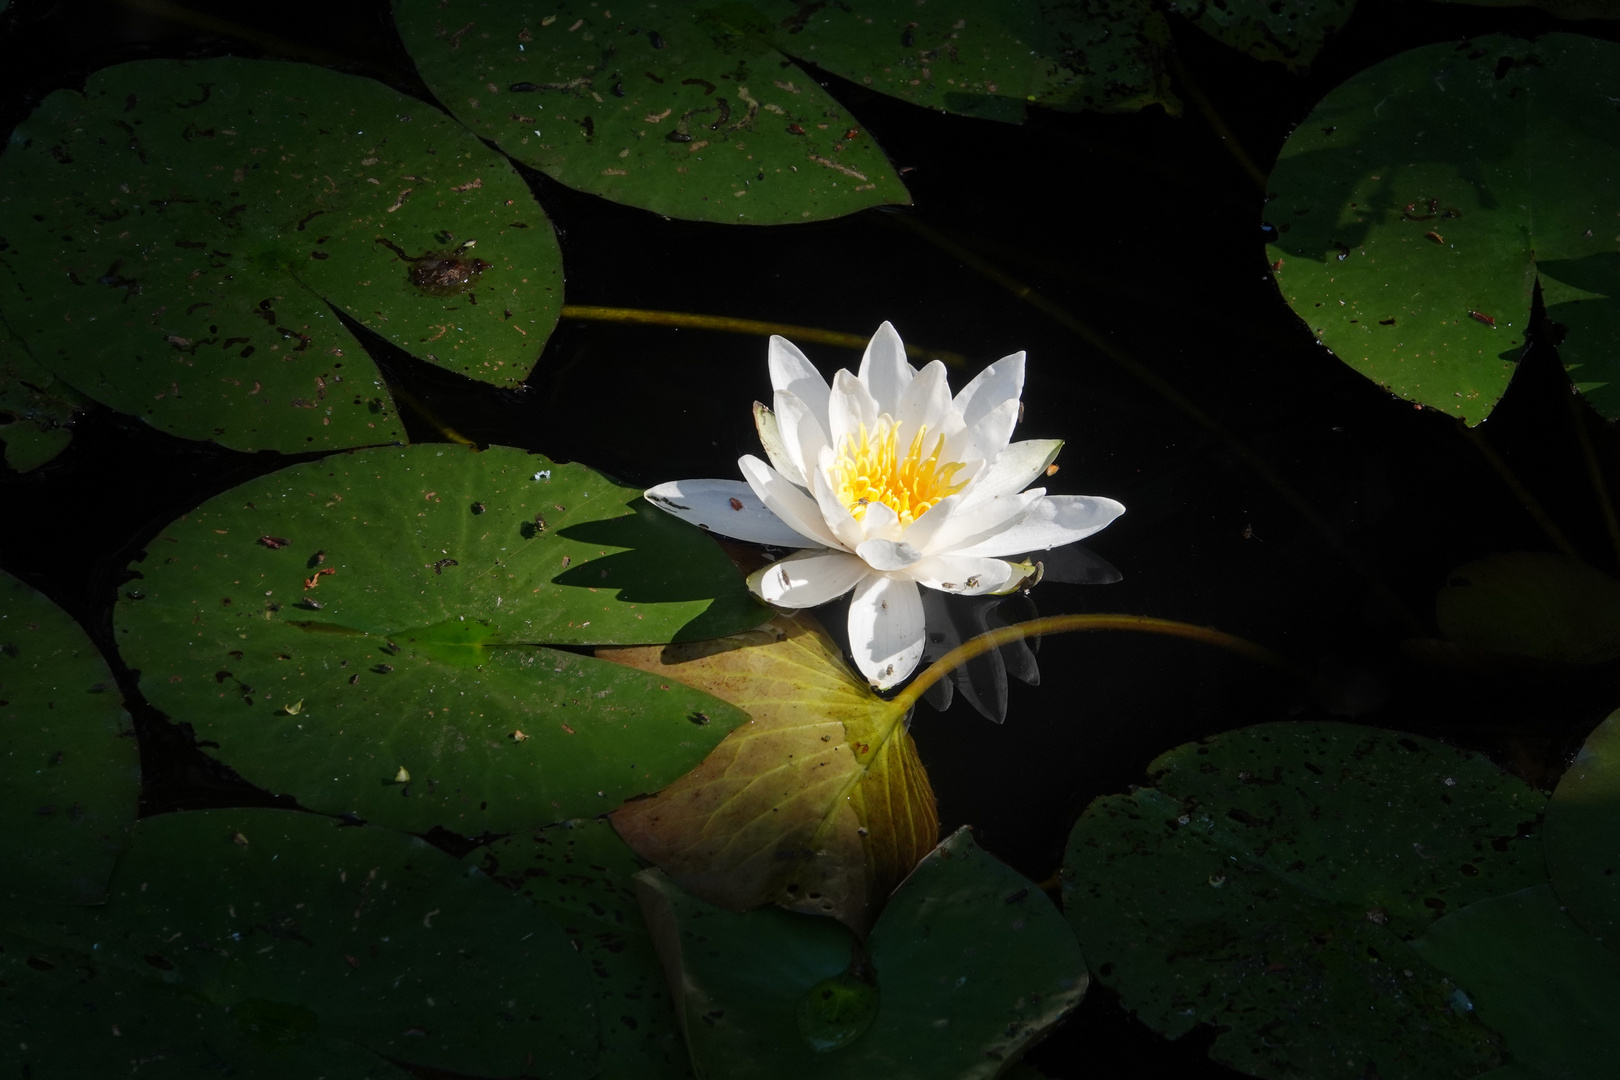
(1143, 229)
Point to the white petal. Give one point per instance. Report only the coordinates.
(787, 502)
(849, 406)
(969, 526)
(1014, 469)
(884, 369)
(791, 371)
(1056, 519)
(1001, 381)
(887, 554)
(924, 403)
(837, 518)
(727, 507)
(802, 435)
(964, 575)
(808, 578)
(770, 437)
(886, 629)
(986, 437)
(920, 533)
(880, 523)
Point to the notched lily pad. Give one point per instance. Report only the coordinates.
(685, 112)
(365, 633)
(970, 964)
(1420, 203)
(1269, 885)
(70, 771)
(180, 233)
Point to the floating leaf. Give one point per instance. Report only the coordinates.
(1563, 9)
(1420, 203)
(687, 113)
(68, 1015)
(400, 594)
(971, 963)
(1535, 604)
(580, 874)
(1270, 881)
(987, 60)
(305, 927)
(817, 803)
(70, 772)
(181, 232)
(35, 408)
(1582, 835)
(1288, 33)
(1536, 977)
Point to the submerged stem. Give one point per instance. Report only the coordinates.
(728, 325)
(1520, 492)
(1063, 624)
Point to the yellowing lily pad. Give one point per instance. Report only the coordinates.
(69, 768)
(178, 236)
(687, 112)
(818, 802)
(400, 599)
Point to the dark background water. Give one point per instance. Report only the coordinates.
(1146, 230)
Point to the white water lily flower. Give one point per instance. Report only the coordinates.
(888, 482)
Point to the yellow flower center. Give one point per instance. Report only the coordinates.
(870, 469)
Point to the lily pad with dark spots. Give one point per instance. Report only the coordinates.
(182, 237)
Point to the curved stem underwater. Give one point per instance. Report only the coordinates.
(1064, 624)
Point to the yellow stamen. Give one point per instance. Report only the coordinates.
(870, 469)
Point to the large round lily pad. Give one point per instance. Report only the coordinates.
(177, 237)
(1421, 202)
(683, 111)
(35, 408)
(310, 927)
(970, 964)
(1270, 881)
(1534, 975)
(1582, 835)
(70, 772)
(579, 872)
(363, 633)
(65, 1015)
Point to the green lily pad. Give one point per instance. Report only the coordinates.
(685, 112)
(63, 1015)
(971, 964)
(304, 927)
(1419, 204)
(179, 235)
(1564, 9)
(580, 874)
(987, 59)
(1582, 835)
(70, 773)
(1269, 883)
(1535, 604)
(1288, 33)
(362, 633)
(35, 408)
(1535, 976)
